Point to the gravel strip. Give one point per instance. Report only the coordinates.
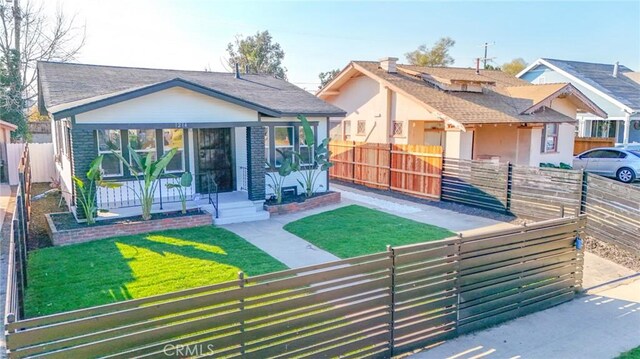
(613, 253)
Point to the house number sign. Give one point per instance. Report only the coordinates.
(181, 125)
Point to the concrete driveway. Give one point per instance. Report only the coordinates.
(599, 325)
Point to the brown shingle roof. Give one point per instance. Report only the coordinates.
(467, 107)
(450, 74)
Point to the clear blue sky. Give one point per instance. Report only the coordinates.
(319, 36)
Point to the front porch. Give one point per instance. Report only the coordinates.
(225, 207)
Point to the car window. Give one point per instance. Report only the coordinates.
(604, 154)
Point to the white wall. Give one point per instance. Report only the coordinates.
(172, 106)
(241, 155)
(459, 144)
(566, 135)
(41, 157)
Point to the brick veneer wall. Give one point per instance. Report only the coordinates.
(310, 203)
(255, 163)
(87, 234)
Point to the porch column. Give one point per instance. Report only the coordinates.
(83, 152)
(627, 129)
(255, 163)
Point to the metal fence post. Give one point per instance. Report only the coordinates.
(392, 306)
(584, 189)
(507, 203)
(241, 308)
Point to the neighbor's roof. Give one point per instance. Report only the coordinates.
(452, 74)
(67, 88)
(465, 107)
(600, 77)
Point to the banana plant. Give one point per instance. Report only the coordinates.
(319, 159)
(277, 175)
(180, 184)
(86, 190)
(147, 173)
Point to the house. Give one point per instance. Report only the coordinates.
(472, 113)
(224, 125)
(5, 138)
(613, 87)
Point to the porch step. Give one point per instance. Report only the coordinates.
(237, 212)
(257, 215)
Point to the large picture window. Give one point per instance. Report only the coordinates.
(306, 152)
(174, 138)
(142, 142)
(284, 142)
(550, 138)
(109, 141)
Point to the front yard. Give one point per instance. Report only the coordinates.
(120, 268)
(353, 231)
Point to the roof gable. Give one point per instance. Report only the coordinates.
(620, 90)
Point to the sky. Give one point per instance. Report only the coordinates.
(320, 36)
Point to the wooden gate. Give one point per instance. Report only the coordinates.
(411, 169)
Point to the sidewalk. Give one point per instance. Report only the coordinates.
(599, 325)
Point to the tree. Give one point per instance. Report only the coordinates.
(492, 67)
(259, 52)
(326, 77)
(438, 55)
(514, 67)
(41, 37)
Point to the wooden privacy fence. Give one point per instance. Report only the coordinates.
(377, 305)
(412, 169)
(613, 212)
(17, 255)
(42, 165)
(582, 144)
(528, 192)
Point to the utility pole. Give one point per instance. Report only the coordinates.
(484, 60)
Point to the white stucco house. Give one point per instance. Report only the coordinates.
(225, 126)
(613, 87)
(471, 113)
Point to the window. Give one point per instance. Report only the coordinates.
(550, 138)
(346, 131)
(67, 142)
(397, 128)
(142, 142)
(174, 138)
(266, 146)
(306, 152)
(108, 141)
(362, 127)
(603, 128)
(284, 142)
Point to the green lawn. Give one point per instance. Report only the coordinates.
(631, 354)
(120, 268)
(353, 230)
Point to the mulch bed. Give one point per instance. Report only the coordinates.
(294, 199)
(613, 253)
(38, 235)
(66, 221)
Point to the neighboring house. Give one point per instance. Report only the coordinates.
(5, 138)
(224, 126)
(614, 88)
(473, 114)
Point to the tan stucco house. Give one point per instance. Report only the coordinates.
(472, 113)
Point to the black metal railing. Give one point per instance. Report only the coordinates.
(212, 191)
(127, 195)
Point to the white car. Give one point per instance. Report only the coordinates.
(620, 163)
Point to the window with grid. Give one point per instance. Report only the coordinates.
(306, 151)
(550, 138)
(108, 141)
(346, 131)
(142, 142)
(284, 143)
(362, 127)
(174, 138)
(397, 128)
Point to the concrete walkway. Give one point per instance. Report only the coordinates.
(295, 252)
(597, 326)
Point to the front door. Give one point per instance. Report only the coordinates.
(214, 157)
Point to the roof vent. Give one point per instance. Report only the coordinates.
(389, 64)
(237, 71)
(615, 69)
